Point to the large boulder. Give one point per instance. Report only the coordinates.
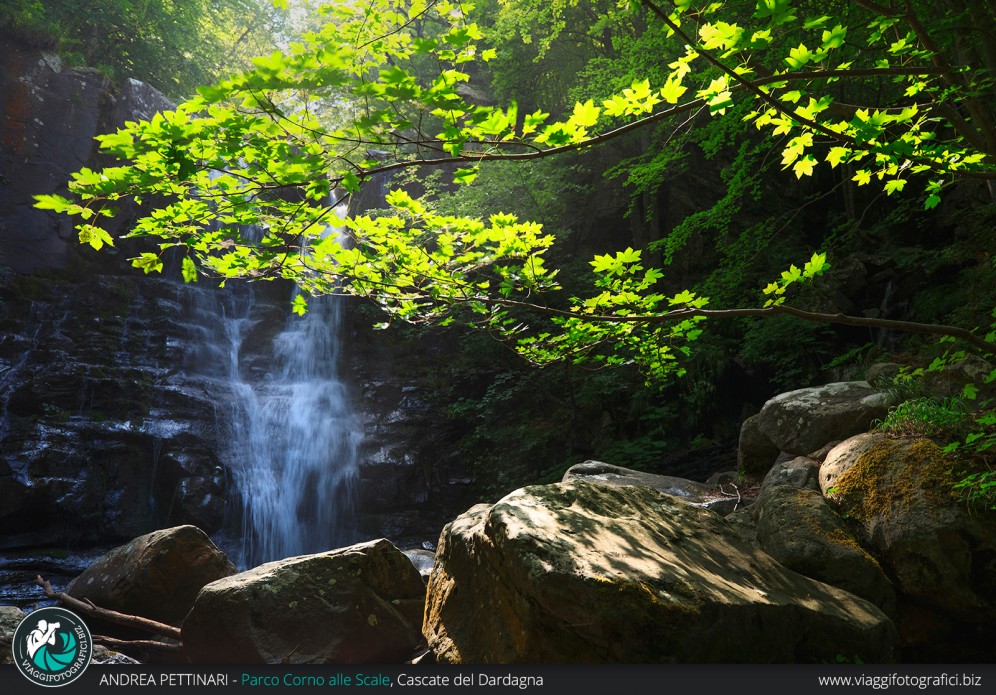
(706, 496)
(360, 604)
(797, 527)
(940, 554)
(155, 576)
(578, 572)
(843, 457)
(800, 422)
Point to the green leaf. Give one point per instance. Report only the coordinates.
(188, 270)
(465, 176)
(94, 236)
(799, 56)
(836, 155)
(805, 166)
(148, 262)
(52, 202)
(894, 185)
(351, 182)
(862, 176)
(299, 305)
(586, 114)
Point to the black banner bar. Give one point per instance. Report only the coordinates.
(548, 679)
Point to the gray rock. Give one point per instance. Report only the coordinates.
(138, 101)
(744, 522)
(581, 572)
(797, 527)
(103, 655)
(156, 576)
(354, 605)
(800, 422)
(799, 472)
(705, 496)
(755, 452)
(883, 371)
(723, 478)
(950, 381)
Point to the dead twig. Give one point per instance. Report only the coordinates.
(728, 494)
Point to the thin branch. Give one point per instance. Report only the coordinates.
(661, 116)
(139, 644)
(411, 20)
(87, 608)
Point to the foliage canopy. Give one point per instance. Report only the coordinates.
(385, 86)
(174, 45)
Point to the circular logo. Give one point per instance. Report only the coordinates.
(52, 647)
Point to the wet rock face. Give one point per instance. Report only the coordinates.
(411, 478)
(101, 438)
(48, 120)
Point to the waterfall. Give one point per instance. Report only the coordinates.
(287, 433)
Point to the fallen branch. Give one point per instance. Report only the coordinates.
(143, 644)
(88, 609)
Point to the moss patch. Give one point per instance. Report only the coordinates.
(896, 473)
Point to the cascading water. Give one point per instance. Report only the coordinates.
(290, 436)
(293, 444)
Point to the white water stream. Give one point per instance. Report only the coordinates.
(289, 435)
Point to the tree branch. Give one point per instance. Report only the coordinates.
(88, 609)
(144, 645)
(662, 116)
(810, 316)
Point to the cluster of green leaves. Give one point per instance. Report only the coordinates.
(927, 417)
(978, 489)
(814, 267)
(601, 320)
(265, 150)
(175, 46)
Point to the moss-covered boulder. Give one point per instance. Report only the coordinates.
(579, 572)
(940, 554)
(354, 605)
